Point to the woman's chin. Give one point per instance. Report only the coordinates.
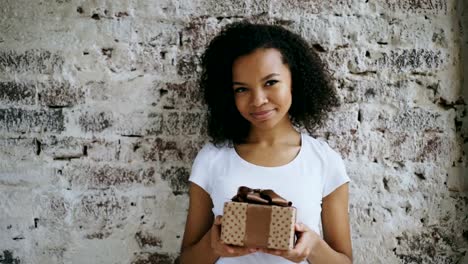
(265, 125)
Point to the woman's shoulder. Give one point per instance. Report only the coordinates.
(315, 142)
(319, 145)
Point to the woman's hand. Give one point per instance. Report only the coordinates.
(308, 240)
(222, 249)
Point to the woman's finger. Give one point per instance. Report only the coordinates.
(276, 252)
(228, 249)
(216, 230)
(218, 220)
(237, 251)
(300, 227)
(301, 246)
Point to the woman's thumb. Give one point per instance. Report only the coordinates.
(300, 227)
(218, 220)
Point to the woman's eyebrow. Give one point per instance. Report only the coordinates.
(263, 79)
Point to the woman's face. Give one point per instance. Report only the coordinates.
(262, 88)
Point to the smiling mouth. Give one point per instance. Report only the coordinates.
(262, 115)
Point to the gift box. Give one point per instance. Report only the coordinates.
(258, 218)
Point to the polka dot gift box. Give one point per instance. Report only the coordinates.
(258, 218)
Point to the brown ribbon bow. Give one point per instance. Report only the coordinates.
(259, 196)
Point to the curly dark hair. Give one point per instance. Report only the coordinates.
(312, 95)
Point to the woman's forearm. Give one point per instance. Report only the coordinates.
(200, 252)
(325, 254)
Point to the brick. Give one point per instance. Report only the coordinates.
(146, 58)
(62, 148)
(124, 150)
(337, 60)
(150, 258)
(372, 33)
(412, 59)
(184, 124)
(162, 9)
(400, 146)
(171, 124)
(180, 96)
(34, 61)
(159, 34)
(52, 254)
(198, 32)
(96, 121)
(119, 11)
(21, 120)
(17, 93)
(365, 62)
(357, 89)
(140, 124)
(342, 122)
(23, 10)
(187, 65)
(456, 179)
(416, 7)
(426, 246)
(146, 240)
(99, 213)
(8, 257)
(338, 30)
(194, 124)
(412, 119)
(291, 7)
(420, 119)
(30, 174)
(405, 31)
(59, 94)
(395, 147)
(162, 150)
(227, 8)
(82, 175)
(14, 229)
(127, 149)
(51, 209)
(13, 149)
(350, 146)
(16, 203)
(177, 178)
(259, 7)
(170, 151)
(392, 8)
(102, 150)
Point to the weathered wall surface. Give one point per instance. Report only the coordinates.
(100, 120)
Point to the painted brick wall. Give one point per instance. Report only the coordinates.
(100, 119)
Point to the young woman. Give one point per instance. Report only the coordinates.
(264, 85)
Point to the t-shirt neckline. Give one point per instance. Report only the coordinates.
(296, 158)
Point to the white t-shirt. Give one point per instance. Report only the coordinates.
(315, 172)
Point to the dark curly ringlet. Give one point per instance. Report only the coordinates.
(312, 93)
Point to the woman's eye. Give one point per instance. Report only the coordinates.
(271, 82)
(239, 90)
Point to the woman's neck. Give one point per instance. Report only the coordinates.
(270, 137)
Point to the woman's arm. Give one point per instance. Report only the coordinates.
(336, 246)
(196, 244)
(202, 243)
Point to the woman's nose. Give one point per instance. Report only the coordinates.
(259, 98)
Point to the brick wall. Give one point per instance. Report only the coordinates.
(100, 119)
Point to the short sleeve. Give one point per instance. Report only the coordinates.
(200, 174)
(335, 175)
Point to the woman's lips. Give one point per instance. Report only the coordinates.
(262, 115)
